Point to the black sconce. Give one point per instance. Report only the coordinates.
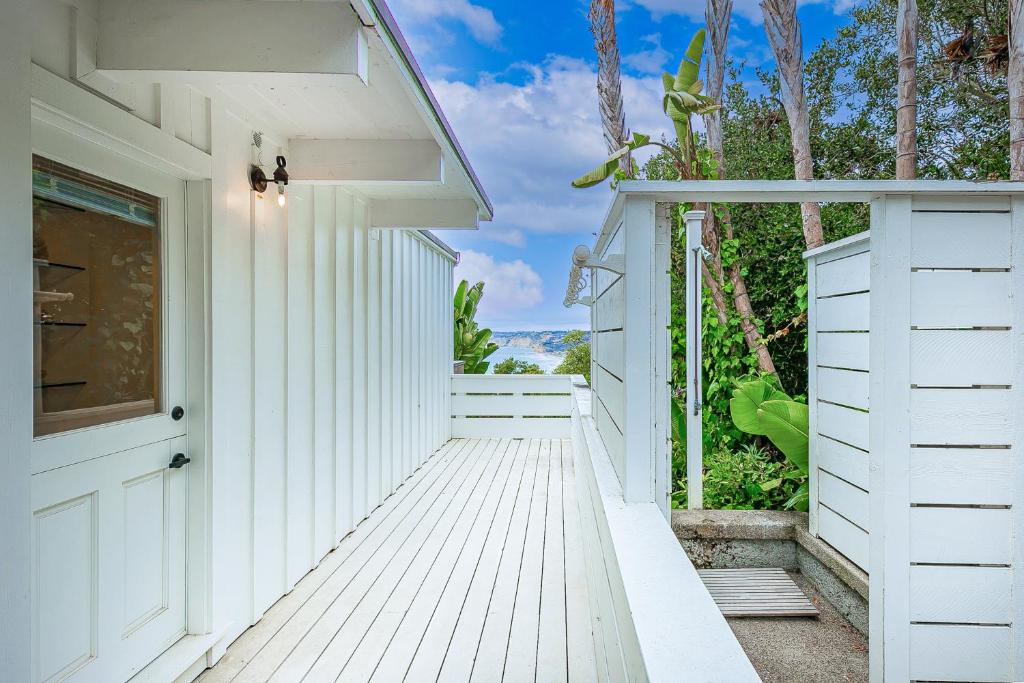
(258, 179)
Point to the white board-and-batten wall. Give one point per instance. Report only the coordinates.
(327, 343)
(929, 306)
(351, 343)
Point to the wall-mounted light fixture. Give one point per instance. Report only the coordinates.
(281, 178)
(258, 179)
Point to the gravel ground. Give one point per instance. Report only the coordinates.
(804, 650)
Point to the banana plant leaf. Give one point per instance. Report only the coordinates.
(601, 173)
(747, 397)
(785, 424)
(689, 67)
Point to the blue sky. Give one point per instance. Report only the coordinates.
(516, 80)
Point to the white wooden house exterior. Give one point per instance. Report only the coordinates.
(289, 392)
(287, 328)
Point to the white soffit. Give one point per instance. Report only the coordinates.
(320, 75)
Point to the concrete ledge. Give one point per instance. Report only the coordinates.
(735, 525)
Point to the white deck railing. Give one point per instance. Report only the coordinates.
(517, 406)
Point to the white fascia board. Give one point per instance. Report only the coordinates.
(354, 162)
(228, 41)
(436, 214)
(376, 16)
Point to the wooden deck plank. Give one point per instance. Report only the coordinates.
(580, 655)
(426, 575)
(386, 565)
(263, 665)
(521, 653)
(418, 647)
(552, 658)
(482, 629)
(473, 570)
(253, 640)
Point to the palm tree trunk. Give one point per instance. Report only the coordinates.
(717, 15)
(609, 79)
(783, 31)
(906, 111)
(1015, 85)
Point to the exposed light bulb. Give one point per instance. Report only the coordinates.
(281, 201)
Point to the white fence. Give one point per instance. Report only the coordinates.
(838, 324)
(915, 372)
(630, 350)
(510, 406)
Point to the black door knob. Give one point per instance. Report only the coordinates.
(179, 460)
(177, 412)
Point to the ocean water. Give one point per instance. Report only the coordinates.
(546, 361)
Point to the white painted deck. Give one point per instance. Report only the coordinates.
(472, 571)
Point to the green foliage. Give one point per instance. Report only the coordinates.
(472, 344)
(758, 407)
(748, 478)
(514, 366)
(577, 355)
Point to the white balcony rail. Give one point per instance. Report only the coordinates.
(516, 406)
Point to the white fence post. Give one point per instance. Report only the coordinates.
(639, 350)
(694, 408)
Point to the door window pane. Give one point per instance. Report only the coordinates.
(96, 299)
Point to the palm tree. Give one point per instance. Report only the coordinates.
(609, 79)
(783, 31)
(906, 111)
(1015, 85)
(717, 15)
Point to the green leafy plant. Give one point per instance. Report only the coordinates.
(472, 344)
(577, 356)
(514, 366)
(748, 478)
(759, 407)
(682, 100)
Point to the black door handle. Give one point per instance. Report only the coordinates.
(179, 460)
(177, 413)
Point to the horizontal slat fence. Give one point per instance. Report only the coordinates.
(963, 434)
(510, 406)
(839, 283)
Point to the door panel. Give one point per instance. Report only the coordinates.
(109, 586)
(110, 516)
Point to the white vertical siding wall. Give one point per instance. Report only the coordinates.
(330, 337)
(838, 307)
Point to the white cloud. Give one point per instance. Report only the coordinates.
(478, 20)
(510, 287)
(650, 61)
(529, 139)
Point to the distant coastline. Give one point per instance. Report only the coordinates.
(545, 348)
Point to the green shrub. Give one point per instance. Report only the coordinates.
(750, 478)
(514, 366)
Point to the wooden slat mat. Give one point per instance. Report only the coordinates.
(756, 593)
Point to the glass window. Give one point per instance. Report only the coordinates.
(96, 299)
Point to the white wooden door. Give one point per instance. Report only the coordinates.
(109, 514)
